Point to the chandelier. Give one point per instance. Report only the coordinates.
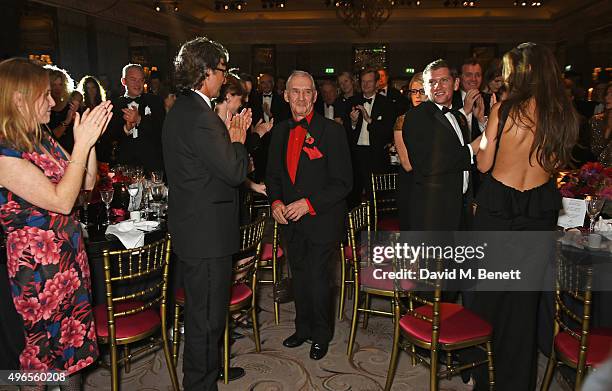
(363, 16)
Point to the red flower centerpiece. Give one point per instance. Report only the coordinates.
(591, 179)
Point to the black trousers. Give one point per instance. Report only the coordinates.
(311, 270)
(207, 284)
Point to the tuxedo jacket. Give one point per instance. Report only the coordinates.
(325, 181)
(278, 107)
(145, 150)
(204, 170)
(438, 161)
(380, 131)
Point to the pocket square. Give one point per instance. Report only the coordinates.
(313, 153)
(379, 118)
(147, 111)
(133, 105)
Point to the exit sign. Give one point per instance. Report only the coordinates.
(409, 70)
(329, 70)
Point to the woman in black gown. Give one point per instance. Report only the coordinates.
(529, 136)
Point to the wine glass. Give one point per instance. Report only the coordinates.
(594, 205)
(84, 197)
(157, 176)
(157, 193)
(107, 196)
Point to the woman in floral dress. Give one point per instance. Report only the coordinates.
(46, 260)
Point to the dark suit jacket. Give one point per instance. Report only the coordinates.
(400, 103)
(438, 160)
(325, 181)
(279, 108)
(204, 170)
(380, 130)
(145, 150)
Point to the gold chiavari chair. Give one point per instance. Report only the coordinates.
(384, 203)
(139, 314)
(363, 273)
(438, 327)
(271, 257)
(575, 343)
(243, 295)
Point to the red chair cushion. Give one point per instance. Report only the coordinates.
(457, 324)
(126, 326)
(348, 253)
(389, 224)
(266, 252)
(367, 278)
(598, 349)
(179, 295)
(240, 292)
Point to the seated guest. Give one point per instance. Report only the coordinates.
(46, 260)
(136, 125)
(62, 114)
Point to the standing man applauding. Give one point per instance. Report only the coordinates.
(308, 177)
(205, 164)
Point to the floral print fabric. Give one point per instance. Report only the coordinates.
(49, 274)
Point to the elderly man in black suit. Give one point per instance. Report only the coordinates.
(437, 139)
(136, 125)
(205, 163)
(308, 177)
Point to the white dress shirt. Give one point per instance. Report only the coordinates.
(451, 118)
(329, 111)
(364, 134)
(268, 100)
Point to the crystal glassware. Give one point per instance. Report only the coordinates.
(107, 196)
(157, 176)
(594, 205)
(157, 193)
(133, 192)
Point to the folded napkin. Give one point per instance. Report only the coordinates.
(131, 233)
(604, 227)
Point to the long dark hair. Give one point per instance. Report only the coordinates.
(532, 73)
(82, 88)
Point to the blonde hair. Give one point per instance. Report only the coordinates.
(67, 82)
(19, 127)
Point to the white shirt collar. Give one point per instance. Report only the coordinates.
(463, 94)
(206, 99)
(440, 106)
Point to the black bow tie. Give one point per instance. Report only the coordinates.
(129, 99)
(367, 100)
(447, 110)
(294, 124)
(267, 95)
(328, 106)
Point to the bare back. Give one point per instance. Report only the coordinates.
(512, 165)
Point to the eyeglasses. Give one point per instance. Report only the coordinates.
(415, 91)
(225, 71)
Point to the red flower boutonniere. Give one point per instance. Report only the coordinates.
(309, 139)
(313, 152)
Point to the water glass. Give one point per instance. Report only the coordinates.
(107, 196)
(594, 206)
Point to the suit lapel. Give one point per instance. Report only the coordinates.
(444, 121)
(285, 129)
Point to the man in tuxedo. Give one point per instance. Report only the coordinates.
(308, 177)
(329, 107)
(370, 131)
(205, 164)
(269, 107)
(394, 96)
(436, 137)
(472, 103)
(137, 123)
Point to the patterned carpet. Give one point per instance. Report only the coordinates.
(278, 368)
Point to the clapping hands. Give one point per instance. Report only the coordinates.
(237, 125)
(89, 126)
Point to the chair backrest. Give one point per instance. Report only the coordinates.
(247, 258)
(138, 276)
(359, 220)
(573, 300)
(383, 194)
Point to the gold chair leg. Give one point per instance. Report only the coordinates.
(255, 329)
(366, 305)
(354, 321)
(274, 282)
(342, 283)
(126, 355)
(433, 371)
(449, 364)
(167, 355)
(490, 366)
(413, 357)
(226, 351)
(114, 368)
(176, 338)
(394, 351)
